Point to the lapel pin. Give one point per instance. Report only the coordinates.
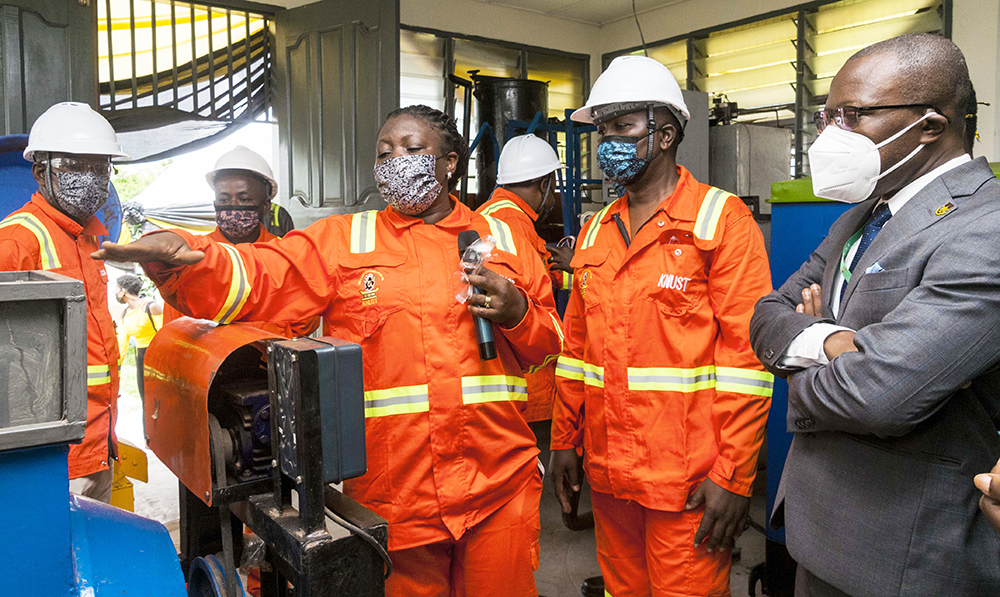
(944, 209)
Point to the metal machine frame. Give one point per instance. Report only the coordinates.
(22, 287)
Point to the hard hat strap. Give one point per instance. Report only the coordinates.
(651, 133)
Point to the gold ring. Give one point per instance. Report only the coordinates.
(487, 305)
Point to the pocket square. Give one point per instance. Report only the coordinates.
(874, 269)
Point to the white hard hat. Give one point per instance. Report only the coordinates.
(243, 158)
(73, 127)
(526, 158)
(634, 82)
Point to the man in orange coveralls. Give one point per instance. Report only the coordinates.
(452, 465)
(657, 381)
(526, 170)
(244, 186)
(71, 147)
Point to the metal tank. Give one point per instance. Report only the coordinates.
(500, 100)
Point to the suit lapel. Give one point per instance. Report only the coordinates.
(852, 221)
(923, 210)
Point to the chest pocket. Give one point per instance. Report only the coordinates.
(680, 281)
(371, 287)
(588, 268)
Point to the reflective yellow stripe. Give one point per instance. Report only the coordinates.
(363, 231)
(567, 281)
(275, 209)
(505, 204)
(670, 379)
(46, 248)
(98, 375)
(239, 287)
(744, 381)
(502, 234)
(591, 375)
(562, 342)
(494, 388)
(709, 213)
(397, 401)
(723, 379)
(595, 225)
(544, 364)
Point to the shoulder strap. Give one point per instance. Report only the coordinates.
(150, 316)
(710, 213)
(504, 204)
(595, 225)
(502, 233)
(363, 231)
(46, 247)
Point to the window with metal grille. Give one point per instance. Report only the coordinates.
(200, 59)
(778, 68)
(196, 68)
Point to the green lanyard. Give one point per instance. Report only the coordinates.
(844, 270)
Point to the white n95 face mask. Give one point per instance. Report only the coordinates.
(846, 166)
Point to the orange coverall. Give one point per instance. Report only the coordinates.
(40, 237)
(657, 355)
(290, 329)
(509, 207)
(448, 446)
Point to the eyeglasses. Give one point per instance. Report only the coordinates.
(846, 117)
(68, 164)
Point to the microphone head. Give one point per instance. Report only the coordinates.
(465, 239)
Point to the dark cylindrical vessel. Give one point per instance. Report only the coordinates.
(500, 100)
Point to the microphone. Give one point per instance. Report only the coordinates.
(484, 327)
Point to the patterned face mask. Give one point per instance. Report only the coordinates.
(407, 182)
(237, 221)
(82, 194)
(618, 157)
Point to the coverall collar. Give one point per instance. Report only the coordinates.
(502, 193)
(460, 217)
(682, 204)
(93, 227)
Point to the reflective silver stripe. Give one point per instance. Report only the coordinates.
(395, 401)
(591, 375)
(671, 379)
(493, 388)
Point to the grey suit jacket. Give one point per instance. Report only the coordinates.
(877, 495)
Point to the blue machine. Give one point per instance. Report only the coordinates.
(799, 222)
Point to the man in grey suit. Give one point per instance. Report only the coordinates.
(889, 335)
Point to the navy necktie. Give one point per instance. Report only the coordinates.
(872, 227)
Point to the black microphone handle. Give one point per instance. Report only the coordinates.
(484, 333)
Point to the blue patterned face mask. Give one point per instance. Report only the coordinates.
(618, 158)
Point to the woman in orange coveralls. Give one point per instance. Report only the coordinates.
(452, 465)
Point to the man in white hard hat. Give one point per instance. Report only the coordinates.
(526, 171)
(657, 380)
(244, 186)
(71, 147)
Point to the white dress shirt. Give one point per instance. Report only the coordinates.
(806, 349)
